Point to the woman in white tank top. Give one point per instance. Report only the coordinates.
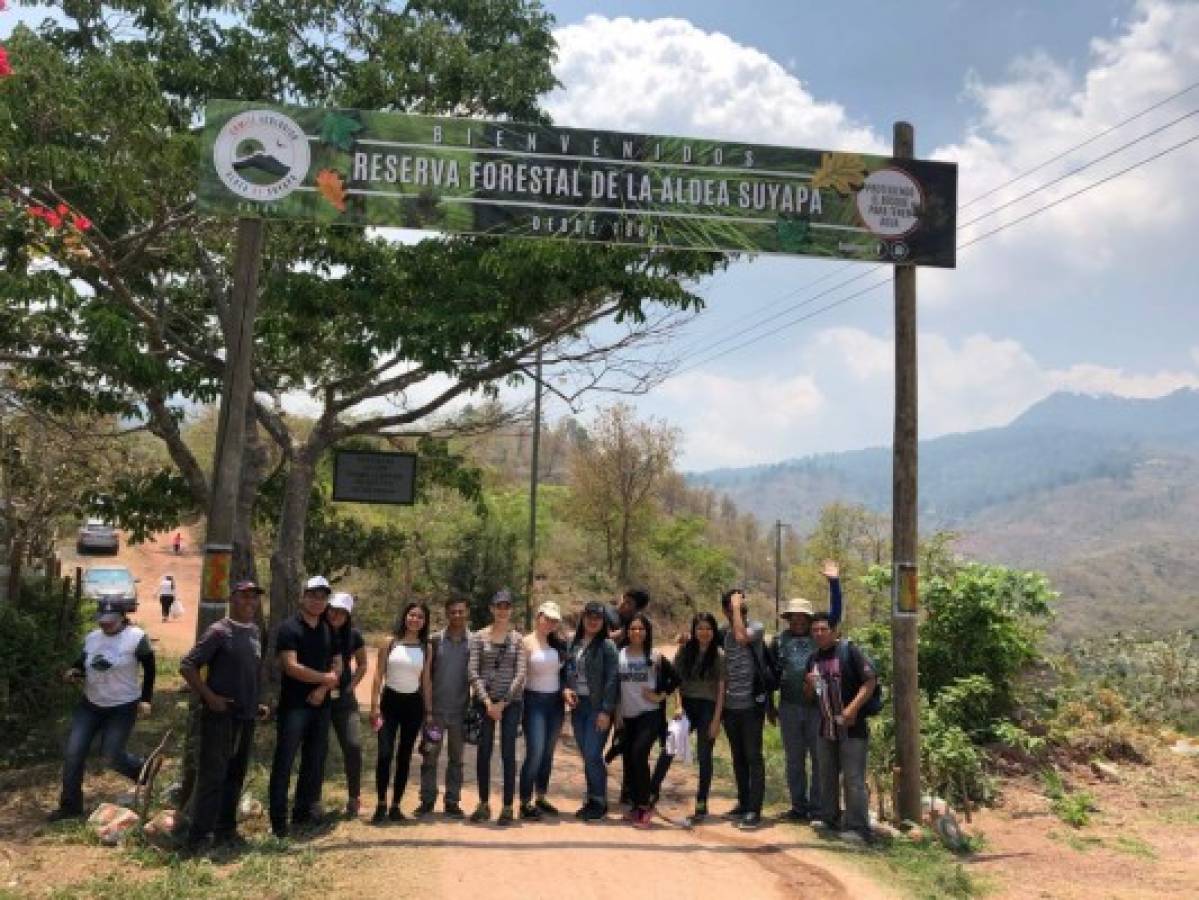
(401, 702)
(544, 710)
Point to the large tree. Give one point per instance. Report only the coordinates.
(116, 293)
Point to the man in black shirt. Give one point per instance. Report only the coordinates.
(232, 650)
(308, 659)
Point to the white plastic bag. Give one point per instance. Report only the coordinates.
(177, 610)
(678, 743)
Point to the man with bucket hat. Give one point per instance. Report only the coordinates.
(798, 716)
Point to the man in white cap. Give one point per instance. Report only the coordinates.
(799, 715)
(308, 659)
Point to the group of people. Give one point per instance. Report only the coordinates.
(443, 689)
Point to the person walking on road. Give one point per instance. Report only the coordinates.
(799, 716)
(166, 595)
(841, 679)
(700, 668)
(347, 724)
(401, 703)
(497, 673)
(592, 694)
(308, 660)
(112, 700)
(230, 652)
(450, 649)
(544, 710)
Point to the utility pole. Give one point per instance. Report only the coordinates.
(534, 472)
(778, 566)
(904, 606)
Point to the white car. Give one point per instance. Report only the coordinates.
(97, 536)
(115, 582)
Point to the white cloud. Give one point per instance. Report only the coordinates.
(668, 76)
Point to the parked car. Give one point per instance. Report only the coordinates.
(109, 581)
(97, 536)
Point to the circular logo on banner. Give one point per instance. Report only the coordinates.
(890, 202)
(261, 155)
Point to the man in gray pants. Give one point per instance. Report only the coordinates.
(451, 694)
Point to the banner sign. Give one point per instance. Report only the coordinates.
(508, 179)
(370, 477)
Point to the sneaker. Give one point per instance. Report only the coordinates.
(63, 813)
(380, 815)
(353, 808)
(545, 806)
(701, 811)
(395, 814)
(822, 825)
(505, 817)
(529, 810)
(750, 821)
(643, 819)
(482, 813)
(794, 815)
(735, 813)
(453, 810)
(424, 809)
(593, 812)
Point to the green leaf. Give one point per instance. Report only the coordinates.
(338, 130)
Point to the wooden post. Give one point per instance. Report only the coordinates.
(904, 614)
(534, 467)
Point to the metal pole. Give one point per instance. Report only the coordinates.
(778, 569)
(534, 466)
(904, 610)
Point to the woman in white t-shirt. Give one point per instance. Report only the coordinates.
(112, 700)
(166, 595)
(401, 701)
(544, 709)
(638, 667)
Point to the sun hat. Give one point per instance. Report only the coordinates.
(318, 583)
(550, 610)
(797, 606)
(342, 600)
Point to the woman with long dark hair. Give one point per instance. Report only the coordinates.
(544, 709)
(345, 717)
(592, 694)
(639, 668)
(701, 673)
(401, 701)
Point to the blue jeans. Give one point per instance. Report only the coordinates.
(509, 720)
(590, 741)
(114, 725)
(799, 726)
(543, 717)
(302, 730)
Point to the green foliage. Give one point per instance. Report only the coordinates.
(1074, 809)
(485, 562)
(143, 502)
(697, 565)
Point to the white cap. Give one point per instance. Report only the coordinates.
(550, 610)
(342, 600)
(318, 583)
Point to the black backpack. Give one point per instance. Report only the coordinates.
(873, 706)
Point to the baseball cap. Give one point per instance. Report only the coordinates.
(110, 610)
(246, 585)
(550, 610)
(503, 595)
(342, 600)
(318, 583)
(594, 608)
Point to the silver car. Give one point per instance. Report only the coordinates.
(109, 581)
(97, 536)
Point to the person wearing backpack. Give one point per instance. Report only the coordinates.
(842, 681)
(799, 717)
(751, 679)
(451, 697)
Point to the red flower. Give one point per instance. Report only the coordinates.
(80, 223)
(38, 212)
(5, 68)
(53, 219)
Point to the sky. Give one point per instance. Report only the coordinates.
(793, 356)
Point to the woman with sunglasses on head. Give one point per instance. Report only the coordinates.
(592, 694)
(401, 701)
(640, 670)
(543, 709)
(497, 669)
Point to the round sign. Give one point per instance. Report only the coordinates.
(261, 155)
(890, 202)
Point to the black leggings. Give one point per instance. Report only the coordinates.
(165, 601)
(403, 713)
(640, 734)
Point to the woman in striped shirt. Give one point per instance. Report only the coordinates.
(497, 669)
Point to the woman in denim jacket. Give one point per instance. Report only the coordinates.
(591, 695)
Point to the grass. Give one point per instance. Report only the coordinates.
(1134, 846)
(927, 870)
(1074, 809)
(1081, 843)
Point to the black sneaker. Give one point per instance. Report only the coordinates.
(593, 812)
(453, 810)
(701, 811)
(545, 806)
(530, 811)
(424, 809)
(750, 821)
(380, 815)
(395, 814)
(505, 817)
(64, 813)
(735, 813)
(482, 813)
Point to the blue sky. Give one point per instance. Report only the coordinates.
(1095, 295)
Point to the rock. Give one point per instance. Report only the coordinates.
(1185, 747)
(160, 830)
(1105, 770)
(111, 823)
(129, 799)
(249, 808)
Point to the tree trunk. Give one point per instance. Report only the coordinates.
(253, 472)
(287, 558)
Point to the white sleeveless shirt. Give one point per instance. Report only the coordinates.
(404, 667)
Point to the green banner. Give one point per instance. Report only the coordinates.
(504, 178)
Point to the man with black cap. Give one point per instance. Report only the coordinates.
(308, 659)
(231, 650)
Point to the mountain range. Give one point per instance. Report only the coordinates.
(1099, 492)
